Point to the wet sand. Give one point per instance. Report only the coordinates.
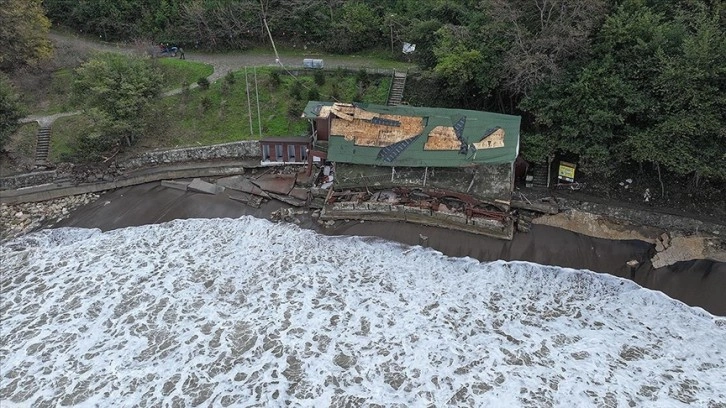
(697, 283)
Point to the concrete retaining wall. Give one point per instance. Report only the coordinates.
(28, 179)
(50, 191)
(236, 150)
(247, 149)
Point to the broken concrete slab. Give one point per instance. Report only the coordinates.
(201, 186)
(288, 200)
(242, 184)
(276, 183)
(238, 195)
(300, 193)
(176, 185)
(255, 201)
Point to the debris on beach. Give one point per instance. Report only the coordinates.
(20, 219)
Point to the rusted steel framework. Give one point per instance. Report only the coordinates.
(431, 199)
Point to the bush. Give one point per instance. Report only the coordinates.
(313, 94)
(10, 112)
(296, 90)
(335, 90)
(205, 103)
(275, 80)
(319, 77)
(229, 78)
(363, 78)
(203, 83)
(295, 108)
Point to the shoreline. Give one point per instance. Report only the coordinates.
(697, 283)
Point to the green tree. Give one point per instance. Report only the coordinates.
(116, 91)
(539, 38)
(10, 110)
(23, 34)
(357, 28)
(687, 135)
(461, 64)
(585, 115)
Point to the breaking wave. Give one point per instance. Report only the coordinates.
(246, 312)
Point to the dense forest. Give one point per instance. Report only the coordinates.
(611, 83)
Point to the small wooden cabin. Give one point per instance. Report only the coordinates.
(278, 151)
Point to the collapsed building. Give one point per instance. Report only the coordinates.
(450, 168)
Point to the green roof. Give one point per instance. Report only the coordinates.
(411, 153)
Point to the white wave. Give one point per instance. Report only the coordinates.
(246, 313)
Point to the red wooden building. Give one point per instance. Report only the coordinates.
(277, 151)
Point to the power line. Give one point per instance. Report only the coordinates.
(277, 56)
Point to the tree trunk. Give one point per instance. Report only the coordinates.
(660, 179)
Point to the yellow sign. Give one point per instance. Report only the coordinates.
(567, 171)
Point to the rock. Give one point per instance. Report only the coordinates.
(201, 186)
(19, 214)
(177, 185)
(666, 239)
(659, 246)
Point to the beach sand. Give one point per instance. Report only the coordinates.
(697, 283)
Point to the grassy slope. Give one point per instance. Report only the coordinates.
(65, 132)
(177, 72)
(220, 114)
(52, 93)
(217, 115)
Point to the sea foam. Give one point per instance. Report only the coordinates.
(246, 312)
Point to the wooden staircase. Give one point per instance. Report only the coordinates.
(395, 94)
(42, 146)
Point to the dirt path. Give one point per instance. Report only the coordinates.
(221, 63)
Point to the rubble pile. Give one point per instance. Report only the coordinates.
(20, 219)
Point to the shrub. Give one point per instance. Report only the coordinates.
(319, 77)
(203, 83)
(363, 78)
(295, 108)
(205, 103)
(335, 90)
(313, 94)
(229, 78)
(296, 90)
(275, 80)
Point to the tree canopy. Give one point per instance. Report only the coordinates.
(23, 34)
(116, 91)
(10, 110)
(612, 83)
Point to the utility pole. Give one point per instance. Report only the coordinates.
(257, 97)
(249, 105)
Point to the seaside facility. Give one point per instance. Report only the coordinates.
(451, 168)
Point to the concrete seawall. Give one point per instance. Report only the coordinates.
(51, 191)
(204, 161)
